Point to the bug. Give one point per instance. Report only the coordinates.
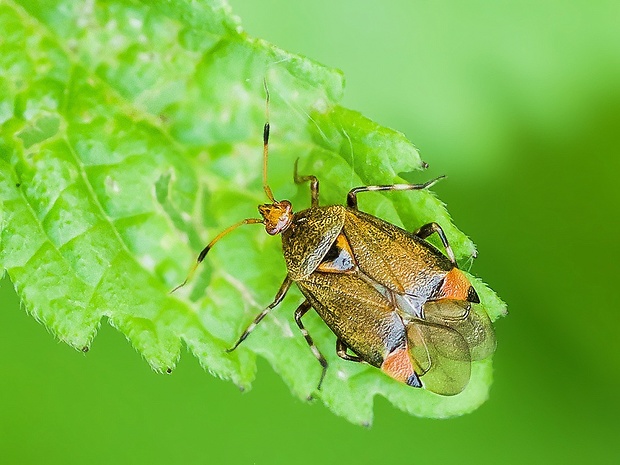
(392, 299)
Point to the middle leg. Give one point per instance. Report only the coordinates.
(352, 196)
(300, 312)
(341, 351)
(431, 228)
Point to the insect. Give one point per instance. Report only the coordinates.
(392, 299)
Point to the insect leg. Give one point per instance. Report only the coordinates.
(341, 350)
(314, 184)
(204, 251)
(431, 228)
(301, 311)
(352, 196)
(278, 298)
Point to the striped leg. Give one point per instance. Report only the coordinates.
(352, 196)
(299, 313)
(431, 228)
(279, 296)
(314, 185)
(341, 350)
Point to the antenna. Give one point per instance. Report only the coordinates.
(266, 187)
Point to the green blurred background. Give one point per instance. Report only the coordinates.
(519, 104)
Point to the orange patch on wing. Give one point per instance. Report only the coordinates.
(455, 285)
(344, 262)
(342, 243)
(398, 365)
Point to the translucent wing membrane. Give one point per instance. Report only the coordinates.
(474, 326)
(443, 343)
(442, 356)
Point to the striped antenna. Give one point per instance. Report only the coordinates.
(266, 144)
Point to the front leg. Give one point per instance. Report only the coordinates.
(278, 298)
(314, 184)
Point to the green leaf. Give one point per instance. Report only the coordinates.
(130, 134)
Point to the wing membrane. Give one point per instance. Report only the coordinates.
(474, 326)
(442, 356)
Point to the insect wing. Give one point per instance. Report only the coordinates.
(472, 324)
(356, 312)
(310, 237)
(441, 355)
(393, 257)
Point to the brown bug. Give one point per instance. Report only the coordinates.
(392, 299)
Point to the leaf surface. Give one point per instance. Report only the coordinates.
(131, 133)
